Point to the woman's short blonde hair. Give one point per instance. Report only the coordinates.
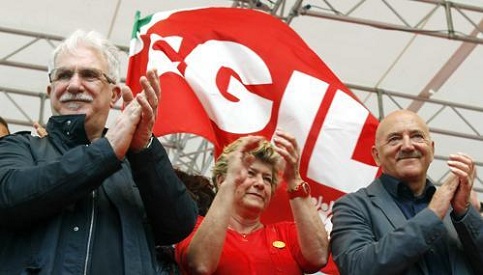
(264, 152)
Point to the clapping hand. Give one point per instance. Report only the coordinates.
(463, 167)
(148, 100)
(286, 145)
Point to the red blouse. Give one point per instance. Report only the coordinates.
(273, 249)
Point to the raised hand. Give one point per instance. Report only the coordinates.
(239, 160)
(121, 133)
(286, 145)
(148, 99)
(440, 202)
(456, 190)
(463, 167)
(41, 131)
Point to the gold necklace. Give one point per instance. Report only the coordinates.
(245, 235)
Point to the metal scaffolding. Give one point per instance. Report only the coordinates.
(194, 154)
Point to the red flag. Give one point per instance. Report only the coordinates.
(228, 72)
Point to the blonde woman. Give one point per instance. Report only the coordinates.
(231, 239)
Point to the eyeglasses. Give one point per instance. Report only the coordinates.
(64, 75)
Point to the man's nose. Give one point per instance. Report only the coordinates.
(75, 83)
(407, 142)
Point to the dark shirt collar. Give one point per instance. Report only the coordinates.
(68, 131)
(400, 190)
(68, 128)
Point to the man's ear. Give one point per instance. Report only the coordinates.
(49, 89)
(375, 155)
(115, 94)
(432, 150)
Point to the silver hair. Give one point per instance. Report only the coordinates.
(97, 42)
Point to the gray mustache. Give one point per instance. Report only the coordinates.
(407, 155)
(80, 97)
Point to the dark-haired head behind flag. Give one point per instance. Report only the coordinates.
(231, 239)
(200, 189)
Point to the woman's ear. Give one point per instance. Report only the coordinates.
(219, 180)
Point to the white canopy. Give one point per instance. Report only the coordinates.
(422, 55)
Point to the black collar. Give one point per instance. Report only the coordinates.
(400, 190)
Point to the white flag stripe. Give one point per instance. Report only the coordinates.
(300, 104)
(332, 156)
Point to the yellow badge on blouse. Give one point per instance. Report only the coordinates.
(278, 244)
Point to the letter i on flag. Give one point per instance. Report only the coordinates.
(228, 72)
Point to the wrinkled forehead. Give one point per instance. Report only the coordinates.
(400, 122)
(262, 167)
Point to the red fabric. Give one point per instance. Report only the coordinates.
(228, 72)
(255, 254)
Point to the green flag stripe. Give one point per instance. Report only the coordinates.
(139, 22)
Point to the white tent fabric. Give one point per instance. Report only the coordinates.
(424, 55)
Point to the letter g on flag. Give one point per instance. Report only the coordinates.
(227, 72)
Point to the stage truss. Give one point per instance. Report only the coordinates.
(195, 155)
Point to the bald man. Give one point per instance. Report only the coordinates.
(401, 223)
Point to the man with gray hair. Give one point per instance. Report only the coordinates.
(85, 199)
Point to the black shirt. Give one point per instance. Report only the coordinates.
(411, 205)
